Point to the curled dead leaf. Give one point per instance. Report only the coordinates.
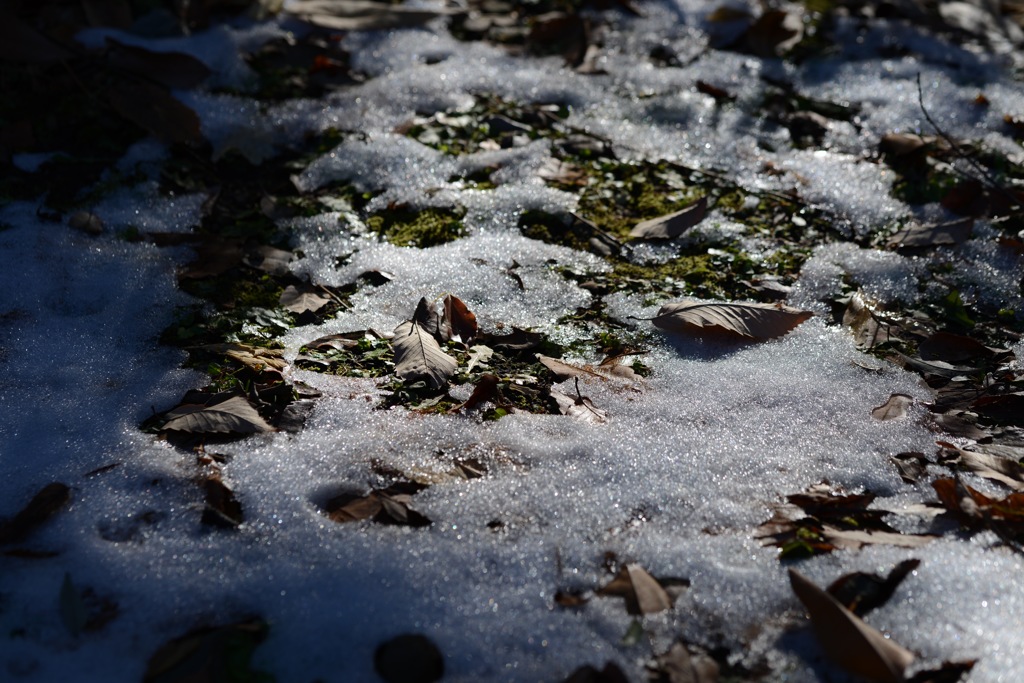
(846, 639)
(893, 409)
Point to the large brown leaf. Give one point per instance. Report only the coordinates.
(153, 108)
(418, 356)
(746, 319)
(232, 416)
(846, 639)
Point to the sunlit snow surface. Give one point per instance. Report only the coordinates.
(686, 468)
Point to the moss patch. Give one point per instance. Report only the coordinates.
(424, 228)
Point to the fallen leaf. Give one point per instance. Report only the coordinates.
(409, 658)
(44, 505)
(846, 639)
(948, 672)
(917, 236)
(154, 109)
(580, 408)
(855, 539)
(1006, 471)
(478, 355)
(1002, 409)
(517, 340)
(458, 320)
(893, 409)
(975, 510)
(233, 415)
(384, 506)
(643, 594)
(485, 390)
(73, 613)
(751, 320)
(222, 508)
(563, 370)
(219, 653)
(911, 465)
(955, 348)
(361, 15)
(418, 356)
(306, 298)
(172, 69)
(865, 325)
(557, 171)
(679, 665)
(672, 225)
(611, 673)
(773, 33)
(861, 592)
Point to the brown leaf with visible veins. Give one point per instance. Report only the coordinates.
(233, 415)
(746, 319)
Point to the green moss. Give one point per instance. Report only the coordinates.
(425, 228)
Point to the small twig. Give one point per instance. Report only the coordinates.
(977, 166)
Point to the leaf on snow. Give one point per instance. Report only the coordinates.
(580, 408)
(680, 665)
(384, 506)
(747, 319)
(307, 298)
(861, 592)
(1005, 470)
(672, 225)
(915, 236)
(409, 657)
(893, 409)
(172, 69)
(361, 15)
(418, 356)
(563, 370)
(222, 508)
(458, 320)
(44, 505)
(208, 654)
(153, 108)
(234, 415)
(846, 639)
(642, 592)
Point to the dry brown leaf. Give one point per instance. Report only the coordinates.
(44, 505)
(418, 356)
(222, 508)
(672, 225)
(387, 506)
(854, 539)
(861, 592)
(361, 15)
(172, 69)
(861, 319)
(643, 594)
(846, 639)
(234, 415)
(747, 319)
(1006, 471)
(917, 236)
(893, 409)
(154, 109)
(563, 370)
(679, 665)
(208, 654)
(307, 299)
(458, 320)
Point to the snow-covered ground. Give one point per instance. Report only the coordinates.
(686, 468)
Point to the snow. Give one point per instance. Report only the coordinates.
(698, 452)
